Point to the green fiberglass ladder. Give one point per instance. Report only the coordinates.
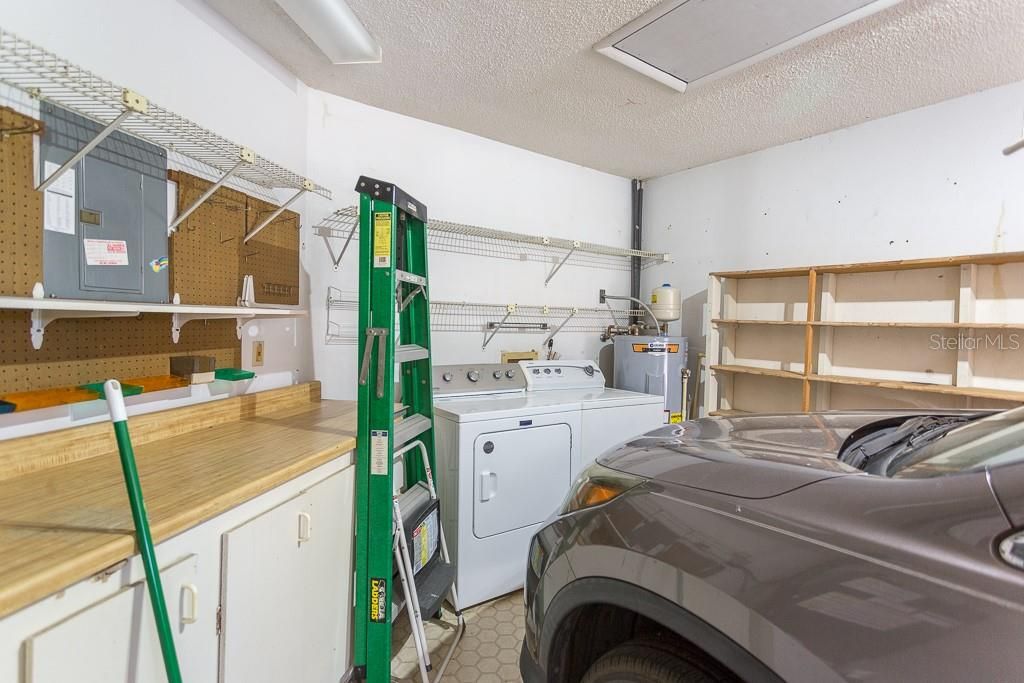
(392, 523)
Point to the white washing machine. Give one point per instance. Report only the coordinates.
(607, 416)
(507, 450)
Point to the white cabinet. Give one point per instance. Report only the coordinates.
(115, 639)
(286, 587)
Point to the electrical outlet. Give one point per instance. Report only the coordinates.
(257, 353)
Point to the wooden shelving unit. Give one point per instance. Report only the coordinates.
(943, 332)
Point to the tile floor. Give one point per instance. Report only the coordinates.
(488, 652)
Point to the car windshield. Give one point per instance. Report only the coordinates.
(990, 441)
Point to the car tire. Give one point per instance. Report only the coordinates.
(651, 662)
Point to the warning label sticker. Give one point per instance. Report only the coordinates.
(382, 239)
(656, 348)
(378, 600)
(379, 451)
(106, 252)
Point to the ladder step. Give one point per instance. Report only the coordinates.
(432, 587)
(404, 276)
(406, 353)
(409, 428)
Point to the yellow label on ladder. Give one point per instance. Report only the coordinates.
(382, 239)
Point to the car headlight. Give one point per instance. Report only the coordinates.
(598, 485)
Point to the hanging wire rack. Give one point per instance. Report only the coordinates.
(466, 316)
(471, 239)
(46, 76)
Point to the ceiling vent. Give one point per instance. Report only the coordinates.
(681, 42)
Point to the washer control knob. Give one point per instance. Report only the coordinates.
(510, 373)
(447, 377)
(547, 371)
(473, 376)
(497, 374)
(588, 370)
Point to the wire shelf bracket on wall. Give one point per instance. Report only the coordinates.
(46, 76)
(342, 225)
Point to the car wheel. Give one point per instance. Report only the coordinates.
(648, 662)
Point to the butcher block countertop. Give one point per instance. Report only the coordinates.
(64, 512)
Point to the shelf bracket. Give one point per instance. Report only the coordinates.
(558, 329)
(575, 246)
(133, 102)
(246, 156)
(336, 260)
(41, 318)
(307, 186)
(509, 310)
(179, 320)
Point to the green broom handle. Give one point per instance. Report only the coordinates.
(119, 416)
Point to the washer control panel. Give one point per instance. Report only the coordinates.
(485, 378)
(544, 375)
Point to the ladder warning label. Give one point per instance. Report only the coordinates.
(378, 600)
(382, 239)
(379, 451)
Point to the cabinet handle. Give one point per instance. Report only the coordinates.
(190, 607)
(305, 527)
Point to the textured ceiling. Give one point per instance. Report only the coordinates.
(524, 72)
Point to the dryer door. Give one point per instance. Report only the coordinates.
(520, 477)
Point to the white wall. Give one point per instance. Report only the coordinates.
(467, 179)
(928, 182)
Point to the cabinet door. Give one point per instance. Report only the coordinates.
(286, 595)
(115, 640)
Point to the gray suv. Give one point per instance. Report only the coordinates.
(868, 546)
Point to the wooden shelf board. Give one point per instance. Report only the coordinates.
(158, 382)
(48, 398)
(919, 325)
(733, 321)
(949, 390)
(751, 370)
(753, 274)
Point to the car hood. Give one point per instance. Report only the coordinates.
(749, 456)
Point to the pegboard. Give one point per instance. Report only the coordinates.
(21, 207)
(204, 250)
(83, 350)
(208, 257)
(272, 256)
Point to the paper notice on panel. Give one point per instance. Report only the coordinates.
(106, 252)
(59, 202)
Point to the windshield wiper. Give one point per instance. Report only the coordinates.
(876, 454)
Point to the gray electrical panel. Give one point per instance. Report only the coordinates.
(105, 219)
(652, 365)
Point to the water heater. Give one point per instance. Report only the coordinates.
(652, 365)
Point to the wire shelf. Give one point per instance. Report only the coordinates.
(466, 316)
(471, 239)
(44, 75)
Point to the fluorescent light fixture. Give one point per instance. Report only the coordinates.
(335, 29)
(682, 42)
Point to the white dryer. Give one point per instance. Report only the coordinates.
(505, 460)
(509, 440)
